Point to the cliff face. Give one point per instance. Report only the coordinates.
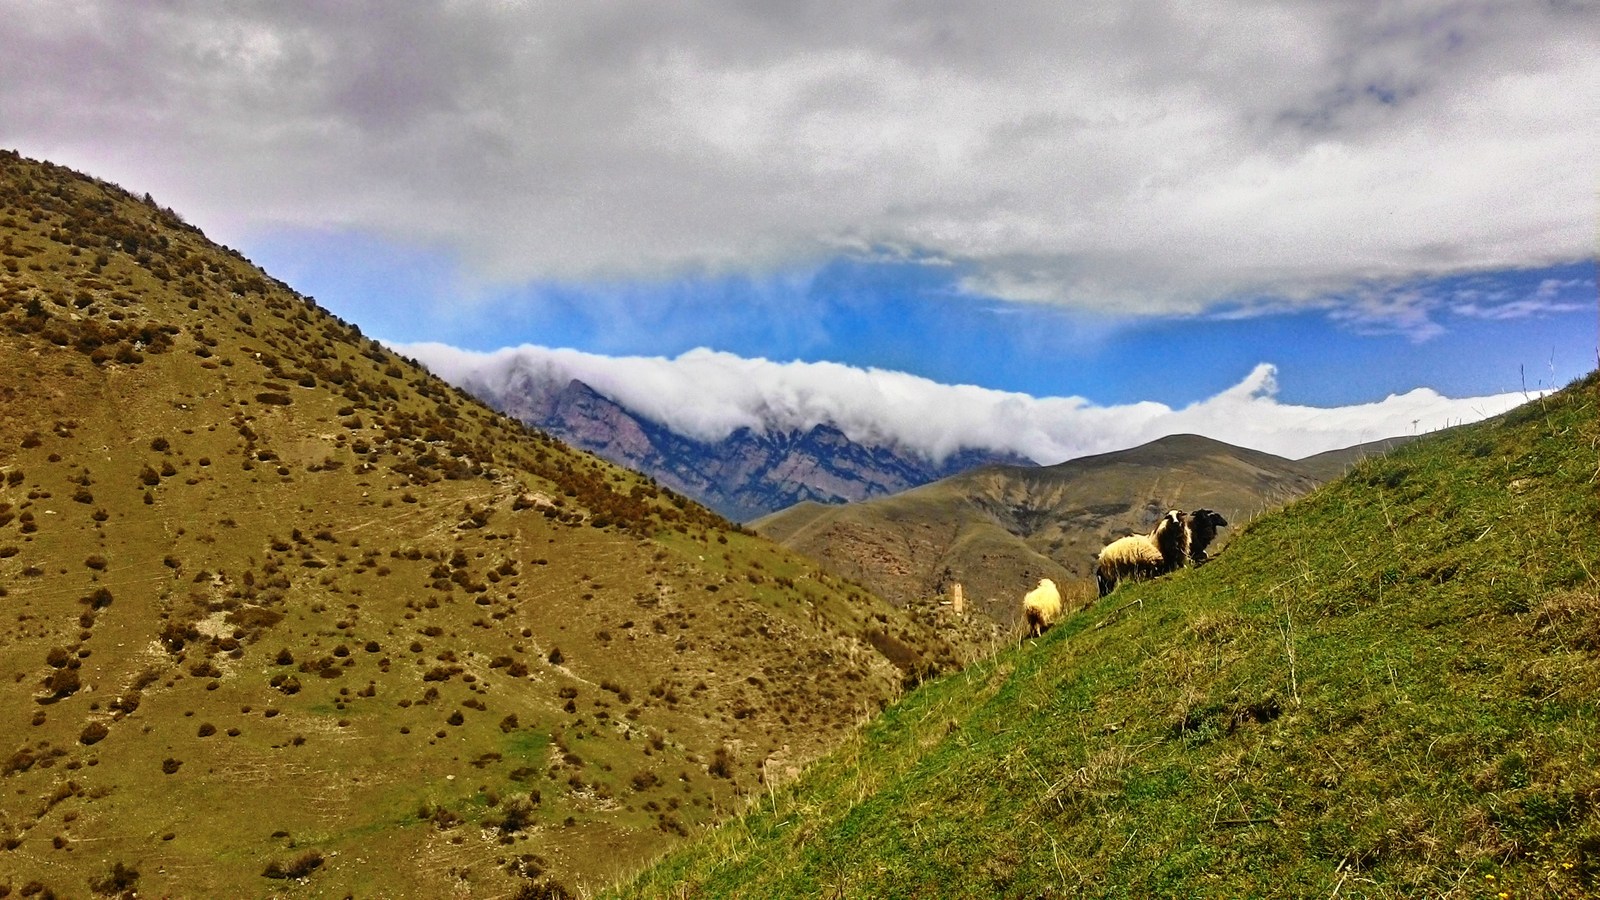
(743, 476)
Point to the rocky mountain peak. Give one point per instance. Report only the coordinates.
(747, 474)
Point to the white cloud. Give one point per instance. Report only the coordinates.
(1140, 156)
(1550, 297)
(1408, 311)
(708, 394)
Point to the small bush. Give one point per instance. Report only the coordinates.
(722, 764)
(299, 867)
(517, 816)
(60, 684)
(120, 880)
(441, 673)
(544, 888)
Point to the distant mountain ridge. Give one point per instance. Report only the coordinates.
(997, 530)
(748, 474)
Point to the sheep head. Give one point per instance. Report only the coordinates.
(1201, 526)
(1171, 537)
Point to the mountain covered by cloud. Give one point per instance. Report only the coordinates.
(743, 474)
(709, 395)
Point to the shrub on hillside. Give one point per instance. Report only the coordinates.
(722, 764)
(119, 881)
(299, 867)
(59, 684)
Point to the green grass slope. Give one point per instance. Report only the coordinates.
(1389, 689)
(1333, 464)
(275, 602)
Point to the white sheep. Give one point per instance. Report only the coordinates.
(1140, 556)
(1041, 607)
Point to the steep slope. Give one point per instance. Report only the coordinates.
(745, 475)
(277, 601)
(1334, 463)
(1387, 689)
(997, 530)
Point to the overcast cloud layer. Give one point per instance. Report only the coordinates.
(708, 395)
(1138, 157)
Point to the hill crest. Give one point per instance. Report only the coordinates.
(998, 529)
(279, 601)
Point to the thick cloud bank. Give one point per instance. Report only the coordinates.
(1137, 157)
(707, 394)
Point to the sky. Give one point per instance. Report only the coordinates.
(1105, 204)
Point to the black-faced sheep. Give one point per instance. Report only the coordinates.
(1202, 525)
(1041, 607)
(1141, 556)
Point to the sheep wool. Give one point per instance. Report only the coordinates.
(1171, 537)
(1141, 556)
(1041, 607)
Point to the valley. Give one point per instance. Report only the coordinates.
(1385, 689)
(997, 530)
(286, 615)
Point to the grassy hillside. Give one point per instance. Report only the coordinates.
(1389, 689)
(997, 531)
(1335, 463)
(277, 602)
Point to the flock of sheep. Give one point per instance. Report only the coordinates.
(1178, 539)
